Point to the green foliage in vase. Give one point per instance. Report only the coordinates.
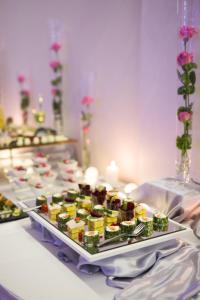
(24, 98)
(56, 81)
(187, 77)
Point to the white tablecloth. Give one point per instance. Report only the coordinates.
(32, 270)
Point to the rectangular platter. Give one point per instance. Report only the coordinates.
(175, 230)
(9, 211)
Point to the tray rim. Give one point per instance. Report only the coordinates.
(112, 252)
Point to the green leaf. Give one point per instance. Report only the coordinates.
(192, 77)
(190, 89)
(86, 116)
(190, 106)
(184, 142)
(179, 75)
(189, 67)
(185, 78)
(56, 81)
(183, 109)
(25, 102)
(57, 107)
(180, 90)
(186, 90)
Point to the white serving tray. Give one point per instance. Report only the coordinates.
(119, 248)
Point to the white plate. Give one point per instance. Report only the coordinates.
(180, 231)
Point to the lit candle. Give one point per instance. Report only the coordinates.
(121, 195)
(107, 186)
(40, 100)
(130, 187)
(112, 172)
(91, 176)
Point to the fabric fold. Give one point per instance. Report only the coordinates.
(177, 277)
(168, 270)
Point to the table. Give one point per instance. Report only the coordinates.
(33, 271)
(39, 145)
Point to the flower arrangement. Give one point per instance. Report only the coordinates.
(56, 82)
(86, 118)
(25, 98)
(187, 77)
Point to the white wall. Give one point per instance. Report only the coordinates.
(130, 46)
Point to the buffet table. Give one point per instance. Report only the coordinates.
(33, 271)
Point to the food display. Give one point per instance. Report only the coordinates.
(91, 237)
(83, 213)
(53, 210)
(29, 141)
(160, 222)
(127, 209)
(71, 195)
(96, 223)
(84, 202)
(57, 198)
(69, 170)
(148, 222)
(78, 214)
(98, 210)
(68, 164)
(49, 176)
(19, 171)
(140, 211)
(70, 208)
(112, 231)
(42, 167)
(62, 219)
(40, 157)
(9, 211)
(100, 194)
(113, 200)
(21, 182)
(42, 202)
(128, 226)
(76, 228)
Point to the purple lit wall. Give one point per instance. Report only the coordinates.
(130, 47)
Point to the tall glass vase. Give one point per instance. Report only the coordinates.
(25, 116)
(58, 123)
(186, 68)
(183, 164)
(86, 151)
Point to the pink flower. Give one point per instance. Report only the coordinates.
(25, 93)
(56, 46)
(87, 100)
(184, 116)
(21, 78)
(54, 91)
(86, 129)
(184, 58)
(55, 64)
(187, 32)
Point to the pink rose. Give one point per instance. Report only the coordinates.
(87, 100)
(55, 64)
(184, 58)
(25, 93)
(56, 46)
(184, 116)
(86, 129)
(187, 32)
(21, 78)
(54, 91)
